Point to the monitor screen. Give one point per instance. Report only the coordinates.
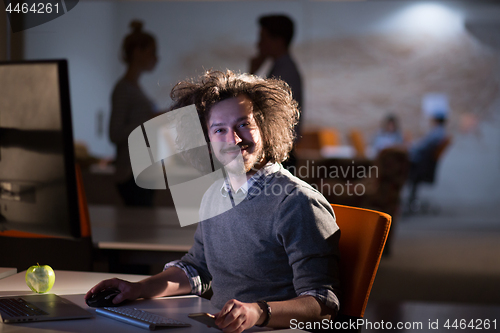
(37, 170)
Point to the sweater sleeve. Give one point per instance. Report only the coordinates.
(306, 228)
(196, 258)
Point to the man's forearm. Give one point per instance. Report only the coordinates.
(172, 281)
(302, 309)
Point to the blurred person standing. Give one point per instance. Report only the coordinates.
(130, 108)
(275, 37)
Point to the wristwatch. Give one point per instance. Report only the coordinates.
(267, 309)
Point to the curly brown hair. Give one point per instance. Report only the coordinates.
(274, 109)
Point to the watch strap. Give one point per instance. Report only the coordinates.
(267, 308)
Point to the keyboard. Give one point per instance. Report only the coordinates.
(18, 307)
(139, 318)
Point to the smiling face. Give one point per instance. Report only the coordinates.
(232, 130)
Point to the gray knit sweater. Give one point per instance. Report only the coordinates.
(281, 240)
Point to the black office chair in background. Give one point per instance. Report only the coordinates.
(424, 172)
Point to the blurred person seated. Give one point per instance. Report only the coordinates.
(388, 136)
(384, 191)
(424, 155)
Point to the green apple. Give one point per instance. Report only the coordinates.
(40, 279)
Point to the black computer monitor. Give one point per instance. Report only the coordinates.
(38, 191)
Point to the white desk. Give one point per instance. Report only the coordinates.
(126, 228)
(5, 272)
(73, 285)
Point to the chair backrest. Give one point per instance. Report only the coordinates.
(363, 233)
(329, 137)
(82, 205)
(309, 140)
(358, 142)
(438, 152)
(425, 169)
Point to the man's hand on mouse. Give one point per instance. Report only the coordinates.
(129, 290)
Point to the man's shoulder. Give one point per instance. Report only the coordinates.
(302, 203)
(286, 60)
(285, 64)
(294, 185)
(434, 137)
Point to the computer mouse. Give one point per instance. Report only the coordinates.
(103, 298)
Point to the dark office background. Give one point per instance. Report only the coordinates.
(360, 60)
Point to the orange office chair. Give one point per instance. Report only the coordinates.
(358, 142)
(329, 137)
(363, 233)
(26, 249)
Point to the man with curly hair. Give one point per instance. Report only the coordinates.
(273, 257)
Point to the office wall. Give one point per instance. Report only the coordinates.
(85, 36)
(197, 35)
(469, 174)
(359, 60)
